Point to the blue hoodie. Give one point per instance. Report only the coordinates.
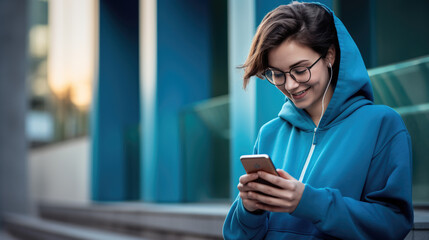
(358, 178)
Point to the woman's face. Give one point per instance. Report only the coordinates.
(307, 96)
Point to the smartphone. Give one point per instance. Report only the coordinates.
(259, 162)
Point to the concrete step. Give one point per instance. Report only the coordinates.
(154, 221)
(168, 221)
(6, 236)
(33, 228)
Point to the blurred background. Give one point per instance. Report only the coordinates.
(129, 117)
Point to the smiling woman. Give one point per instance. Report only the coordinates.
(308, 84)
(352, 158)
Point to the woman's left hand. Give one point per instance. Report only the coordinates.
(283, 199)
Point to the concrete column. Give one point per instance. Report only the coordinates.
(115, 114)
(175, 40)
(13, 106)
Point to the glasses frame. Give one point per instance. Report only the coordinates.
(290, 70)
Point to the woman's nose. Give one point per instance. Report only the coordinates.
(290, 83)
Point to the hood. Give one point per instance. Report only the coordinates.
(353, 89)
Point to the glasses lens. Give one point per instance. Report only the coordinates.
(300, 74)
(275, 77)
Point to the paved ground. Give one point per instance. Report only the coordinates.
(5, 236)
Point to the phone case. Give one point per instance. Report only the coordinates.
(254, 163)
(259, 162)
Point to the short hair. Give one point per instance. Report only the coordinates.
(307, 23)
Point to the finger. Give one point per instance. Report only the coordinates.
(272, 204)
(245, 187)
(249, 204)
(265, 199)
(278, 181)
(288, 184)
(265, 189)
(250, 195)
(287, 195)
(248, 178)
(244, 195)
(285, 175)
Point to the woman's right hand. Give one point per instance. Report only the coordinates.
(244, 189)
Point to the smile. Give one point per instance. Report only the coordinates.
(299, 94)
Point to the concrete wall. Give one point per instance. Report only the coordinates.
(60, 172)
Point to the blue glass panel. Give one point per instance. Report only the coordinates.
(405, 87)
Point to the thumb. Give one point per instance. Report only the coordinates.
(285, 175)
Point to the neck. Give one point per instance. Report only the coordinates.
(315, 111)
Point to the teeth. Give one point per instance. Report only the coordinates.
(299, 93)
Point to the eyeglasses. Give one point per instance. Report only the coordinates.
(299, 74)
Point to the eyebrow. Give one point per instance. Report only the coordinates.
(291, 66)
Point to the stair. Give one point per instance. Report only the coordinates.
(32, 228)
(152, 221)
(6, 236)
(109, 221)
(120, 221)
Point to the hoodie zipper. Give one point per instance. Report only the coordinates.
(310, 154)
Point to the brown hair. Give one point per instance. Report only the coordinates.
(308, 23)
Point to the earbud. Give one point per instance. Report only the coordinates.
(330, 66)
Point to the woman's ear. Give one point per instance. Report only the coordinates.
(330, 55)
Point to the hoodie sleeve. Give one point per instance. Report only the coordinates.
(385, 209)
(242, 224)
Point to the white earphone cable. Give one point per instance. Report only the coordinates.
(324, 95)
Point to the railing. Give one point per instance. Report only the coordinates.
(405, 87)
(205, 147)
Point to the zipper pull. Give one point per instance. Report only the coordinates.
(314, 136)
